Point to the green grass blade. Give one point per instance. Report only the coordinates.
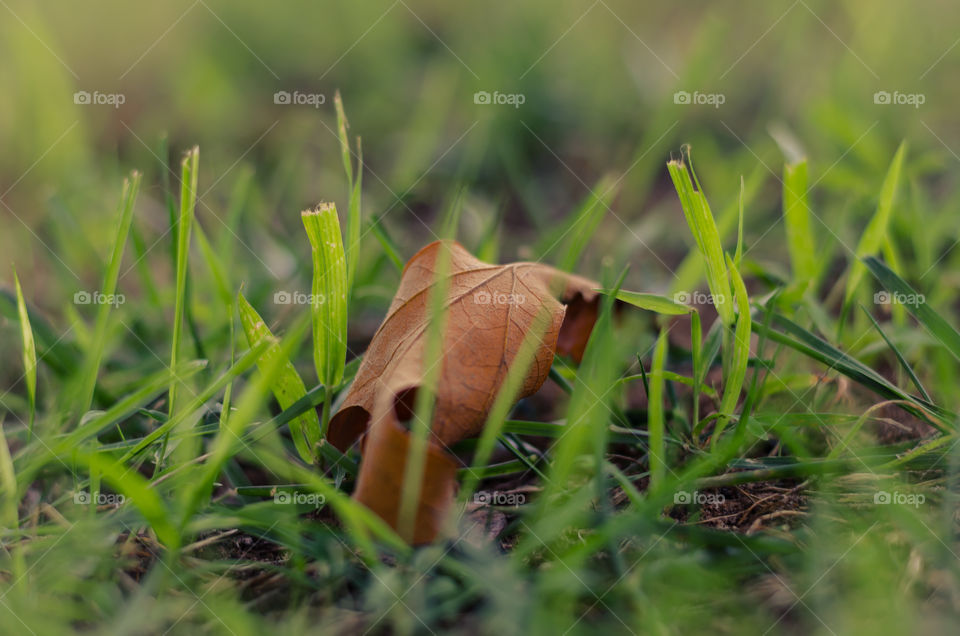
(655, 416)
(354, 216)
(246, 361)
(342, 125)
(506, 396)
(739, 253)
(586, 220)
(699, 372)
(872, 239)
(354, 220)
(188, 201)
(286, 384)
(902, 360)
(704, 229)
(92, 366)
(733, 382)
(145, 499)
(651, 302)
(589, 412)
(329, 309)
(796, 218)
(277, 375)
(801, 340)
(691, 270)
(28, 353)
(219, 273)
(577, 229)
(8, 485)
(425, 400)
(390, 248)
(916, 304)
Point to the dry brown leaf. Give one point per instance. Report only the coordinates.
(491, 309)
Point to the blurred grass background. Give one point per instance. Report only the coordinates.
(598, 80)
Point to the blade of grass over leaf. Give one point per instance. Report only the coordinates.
(704, 229)
(188, 201)
(28, 354)
(426, 392)
(92, 364)
(506, 397)
(796, 217)
(589, 413)
(286, 384)
(872, 239)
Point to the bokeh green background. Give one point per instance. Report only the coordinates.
(598, 81)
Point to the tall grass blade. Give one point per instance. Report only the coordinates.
(425, 399)
(873, 236)
(92, 365)
(285, 382)
(506, 396)
(737, 371)
(28, 354)
(189, 169)
(900, 358)
(651, 302)
(354, 216)
(329, 300)
(704, 229)
(796, 218)
(277, 375)
(916, 304)
(189, 174)
(655, 416)
(8, 485)
(329, 289)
